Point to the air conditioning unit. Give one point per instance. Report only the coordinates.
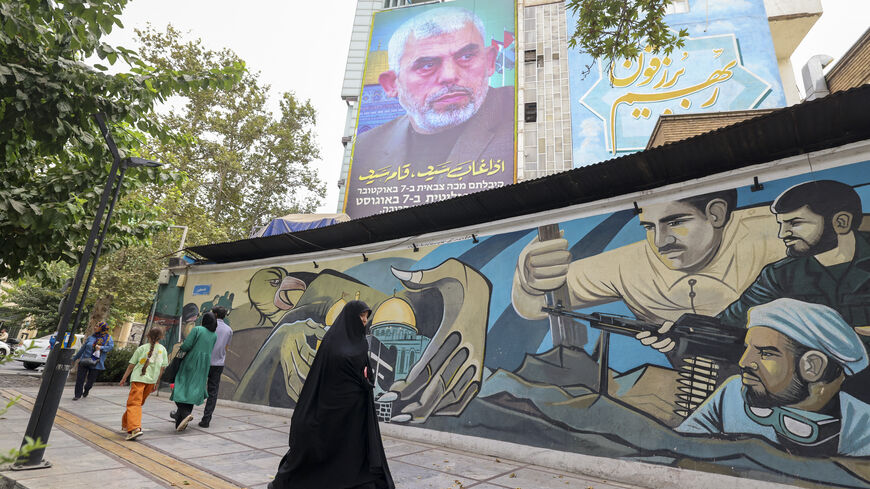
(175, 262)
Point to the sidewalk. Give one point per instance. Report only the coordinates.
(241, 448)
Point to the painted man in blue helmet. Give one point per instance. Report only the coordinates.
(797, 356)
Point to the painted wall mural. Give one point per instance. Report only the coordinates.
(724, 332)
(727, 63)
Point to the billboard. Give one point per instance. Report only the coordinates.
(728, 63)
(437, 108)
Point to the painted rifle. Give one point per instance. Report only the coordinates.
(708, 350)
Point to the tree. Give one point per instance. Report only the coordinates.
(241, 164)
(53, 161)
(244, 164)
(31, 305)
(619, 29)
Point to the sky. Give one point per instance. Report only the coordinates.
(301, 46)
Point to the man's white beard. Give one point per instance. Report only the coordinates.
(430, 121)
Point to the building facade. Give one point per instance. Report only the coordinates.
(560, 96)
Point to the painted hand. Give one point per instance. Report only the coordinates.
(659, 341)
(449, 373)
(297, 354)
(543, 265)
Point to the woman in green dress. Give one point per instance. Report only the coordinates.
(192, 377)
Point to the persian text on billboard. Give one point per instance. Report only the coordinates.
(436, 117)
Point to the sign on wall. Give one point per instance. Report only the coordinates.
(436, 115)
(727, 63)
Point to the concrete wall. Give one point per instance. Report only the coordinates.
(459, 343)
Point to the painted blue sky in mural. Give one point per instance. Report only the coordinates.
(728, 63)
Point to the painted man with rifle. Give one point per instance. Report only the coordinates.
(699, 255)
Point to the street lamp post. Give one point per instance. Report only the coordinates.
(59, 361)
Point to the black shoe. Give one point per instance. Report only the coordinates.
(85, 394)
(203, 424)
(76, 398)
(172, 415)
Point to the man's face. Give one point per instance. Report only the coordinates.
(443, 80)
(769, 372)
(805, 233)
(682, 236)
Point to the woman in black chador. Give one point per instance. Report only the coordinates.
(335, 442)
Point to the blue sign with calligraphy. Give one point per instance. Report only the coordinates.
(728, 63)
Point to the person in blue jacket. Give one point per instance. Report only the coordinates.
(91, 359)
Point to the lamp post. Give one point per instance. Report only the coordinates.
(59, 361)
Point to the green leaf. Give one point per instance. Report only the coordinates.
(18, 206)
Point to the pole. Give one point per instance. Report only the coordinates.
(59, 359)
(99, 250)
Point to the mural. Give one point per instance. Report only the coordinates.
(436, 113)
(727, 63)
(725, 332)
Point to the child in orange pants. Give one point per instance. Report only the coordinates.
(146, 365)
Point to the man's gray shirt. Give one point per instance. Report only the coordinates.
(224, 335)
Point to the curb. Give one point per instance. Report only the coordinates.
(7, 483)
(20, 374)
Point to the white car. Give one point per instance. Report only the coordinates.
(37, 355)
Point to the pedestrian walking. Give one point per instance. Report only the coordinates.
(192, 378)
(218, 356)
(335, 441)
(146, 366)
(91, 359)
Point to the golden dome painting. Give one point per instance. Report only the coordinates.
(395, 311)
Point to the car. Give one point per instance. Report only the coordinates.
(37, 349)
(5, 349)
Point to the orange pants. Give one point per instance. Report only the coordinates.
(133, 416)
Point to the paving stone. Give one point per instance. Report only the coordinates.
(189, 445)
(529, 478)
(246, 468)
(260, 438)
(413, 476)
(479, 468)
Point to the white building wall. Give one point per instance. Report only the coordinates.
(543, 146)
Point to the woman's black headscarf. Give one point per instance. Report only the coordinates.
(335, 441)
(209, 321)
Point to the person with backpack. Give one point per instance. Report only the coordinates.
(91, 359)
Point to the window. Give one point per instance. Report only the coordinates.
(531, 112)
(677, 7)
(540, 61)
(530, 56)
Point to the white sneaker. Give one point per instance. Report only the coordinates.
(184, 422)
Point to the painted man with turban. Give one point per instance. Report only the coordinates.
(797, 356)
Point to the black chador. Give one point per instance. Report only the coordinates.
(335, 442)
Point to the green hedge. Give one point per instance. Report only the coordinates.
(116, 363)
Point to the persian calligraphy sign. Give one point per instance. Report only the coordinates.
(727, 63)
(706, 74)
(437, 108)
